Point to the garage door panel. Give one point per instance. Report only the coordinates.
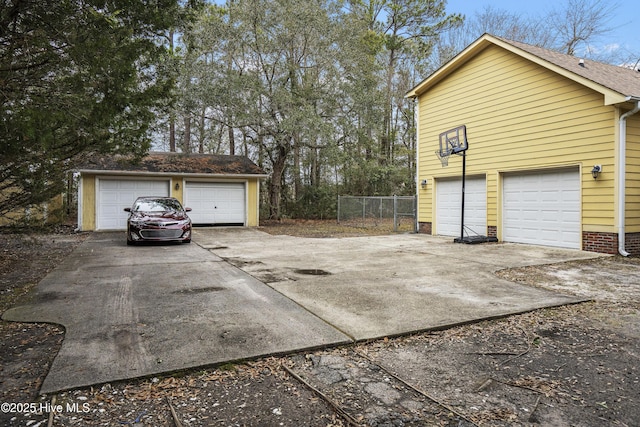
(216, 203)
(542, 208)
(449, 204)
(116, 194)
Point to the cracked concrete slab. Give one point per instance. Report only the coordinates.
(137, 311)
(238, 293)
(377, 286)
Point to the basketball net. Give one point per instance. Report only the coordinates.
(444, 157)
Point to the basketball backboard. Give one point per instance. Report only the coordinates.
(454, 141)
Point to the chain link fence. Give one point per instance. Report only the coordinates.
(397, 213)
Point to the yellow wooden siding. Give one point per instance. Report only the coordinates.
(88, 204)
(253, 201)
(178, 193)
(519, 116)
(633, 174)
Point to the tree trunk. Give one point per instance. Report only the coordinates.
(232, 142)
(297, 179)
(186, 142)
(385, 140)
(172, 133)
(275, 186)
(201, 138)
(172, 118)
(315, 167)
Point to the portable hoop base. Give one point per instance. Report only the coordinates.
(470, 240)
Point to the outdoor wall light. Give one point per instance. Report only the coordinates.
(177, 187)
(423, 184)
(596, 171)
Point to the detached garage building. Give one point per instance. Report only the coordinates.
(554, 148)
(220, 190)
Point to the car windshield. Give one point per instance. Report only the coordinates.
(157, 205)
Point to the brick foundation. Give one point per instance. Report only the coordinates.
(592, 241)
(632, 243)
(424, 228)
(607, 243)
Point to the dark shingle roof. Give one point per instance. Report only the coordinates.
(174, 163)
(619, 79)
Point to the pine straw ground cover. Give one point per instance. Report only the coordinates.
(574, 365)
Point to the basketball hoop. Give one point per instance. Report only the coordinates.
(443, 156)
(453, 141)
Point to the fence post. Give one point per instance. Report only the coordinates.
(414, 206)
(395, 213)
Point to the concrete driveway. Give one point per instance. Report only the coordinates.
(377, 286)
(240, 293)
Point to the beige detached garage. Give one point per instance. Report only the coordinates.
(220, 190)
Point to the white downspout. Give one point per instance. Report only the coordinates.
(622, 178)
(416, 118)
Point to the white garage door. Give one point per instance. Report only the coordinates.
(449, 206)
(542, 208)
(216, 203)
(116, 194)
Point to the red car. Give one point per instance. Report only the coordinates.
(156, 219)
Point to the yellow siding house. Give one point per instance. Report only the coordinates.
(553, 152)
(220, 189)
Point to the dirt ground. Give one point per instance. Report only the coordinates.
(575, 365)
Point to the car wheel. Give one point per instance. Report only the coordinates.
(130, 243)
(186, 241)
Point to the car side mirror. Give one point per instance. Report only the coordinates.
(187, 209)
(127, 209)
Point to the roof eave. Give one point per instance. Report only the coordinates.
(164, 174)
(469, 52)
(611, 97)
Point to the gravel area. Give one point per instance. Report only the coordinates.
(568, 366)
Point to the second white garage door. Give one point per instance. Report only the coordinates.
(216, 202)
(449, 206)
(542, 208)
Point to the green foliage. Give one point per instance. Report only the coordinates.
(314, 90)
(369, 178)
(76, 77)
(315, 202)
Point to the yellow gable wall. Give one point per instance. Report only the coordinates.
(519, 116)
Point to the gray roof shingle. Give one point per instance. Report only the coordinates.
(173, 163)
(619, 79)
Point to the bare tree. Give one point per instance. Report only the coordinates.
(574, 27)
(580, 22)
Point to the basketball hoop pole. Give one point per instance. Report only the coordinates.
(454, 141)
(464, 173)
